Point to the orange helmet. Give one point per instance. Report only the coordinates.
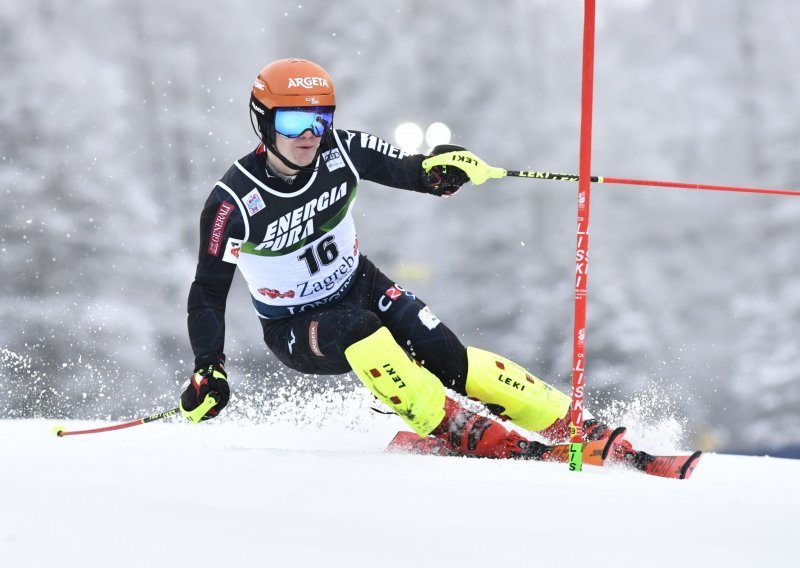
(293, 83)
(288, 83)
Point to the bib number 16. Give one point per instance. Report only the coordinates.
(324, 253)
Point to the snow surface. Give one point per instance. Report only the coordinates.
(234, 493)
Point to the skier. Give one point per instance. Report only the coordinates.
(283, 215)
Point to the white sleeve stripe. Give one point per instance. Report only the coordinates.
(242, 209)
(346, 156)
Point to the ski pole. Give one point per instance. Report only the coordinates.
(655, 183)
(60, 431)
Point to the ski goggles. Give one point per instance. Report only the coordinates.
(292, 122)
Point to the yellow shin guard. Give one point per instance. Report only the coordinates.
(412, 391)
(524, 399)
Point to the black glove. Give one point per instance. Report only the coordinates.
(209, 384)
(443, 180)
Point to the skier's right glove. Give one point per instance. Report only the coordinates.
(463, 165)
(206, 393)
(439, 179)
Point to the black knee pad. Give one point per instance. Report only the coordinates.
(339, 329)
(314, 342)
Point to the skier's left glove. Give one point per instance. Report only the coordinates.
(206, 393)
(457, 166)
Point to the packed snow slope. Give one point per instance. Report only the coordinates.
(234, 493)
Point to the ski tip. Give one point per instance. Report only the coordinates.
(615, 437)
(411, 443)
(688, 468)
(402, 442)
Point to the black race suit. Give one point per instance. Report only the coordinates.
(295, 244)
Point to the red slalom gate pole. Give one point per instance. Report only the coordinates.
(702, 186)
(582, 246)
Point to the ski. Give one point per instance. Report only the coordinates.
(672, 467)
(594, 452)
(412, 443)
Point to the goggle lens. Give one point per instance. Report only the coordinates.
(292, 122)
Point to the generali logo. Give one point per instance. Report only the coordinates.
(308, 82)
(218, 227)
